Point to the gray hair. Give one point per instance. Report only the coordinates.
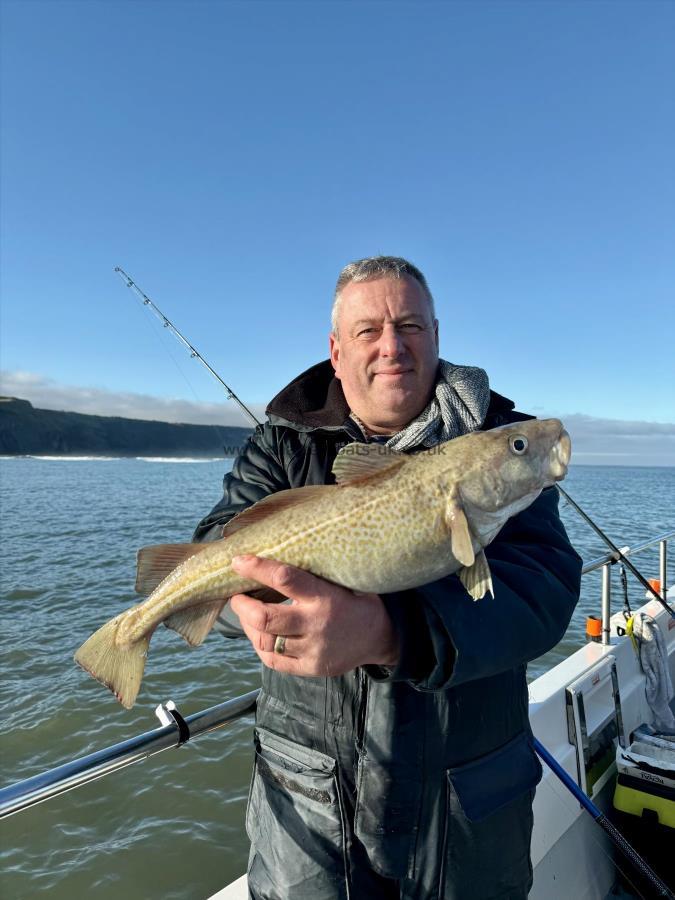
(374, 267)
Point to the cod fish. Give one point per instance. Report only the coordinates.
(392, 522)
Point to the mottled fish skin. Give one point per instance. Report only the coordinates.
(392, 522)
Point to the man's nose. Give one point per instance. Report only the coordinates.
(391, 342)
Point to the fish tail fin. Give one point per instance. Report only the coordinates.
(119, 668)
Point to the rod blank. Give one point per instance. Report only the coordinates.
(194, 353)
(619, 841)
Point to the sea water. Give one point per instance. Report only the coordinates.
(171, 827)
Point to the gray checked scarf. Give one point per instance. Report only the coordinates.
(459, 405)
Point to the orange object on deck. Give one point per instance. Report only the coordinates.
(593, 628)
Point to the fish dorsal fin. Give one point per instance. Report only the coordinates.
(282, 500)
(356, 462)
(154, 563)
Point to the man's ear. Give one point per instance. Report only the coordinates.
(334, 345)
(436, 333)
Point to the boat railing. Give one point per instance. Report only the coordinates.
(610, 559)
(175, 730)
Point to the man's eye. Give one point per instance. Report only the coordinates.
(410, 326)
(365, 332)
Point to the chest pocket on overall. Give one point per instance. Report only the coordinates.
(488, 827)
(295, 823)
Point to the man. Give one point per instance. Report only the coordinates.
(393, 753)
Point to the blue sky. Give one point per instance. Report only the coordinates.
(233, 156)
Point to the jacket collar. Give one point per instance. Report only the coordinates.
(315, 400)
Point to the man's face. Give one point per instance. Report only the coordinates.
(386, 355)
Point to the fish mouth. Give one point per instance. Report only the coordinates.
(559, 456)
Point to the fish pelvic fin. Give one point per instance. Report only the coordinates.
(195, 622)
(154, 563)
(119, 668)
(477, 578)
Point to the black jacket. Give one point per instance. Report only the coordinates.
(456, 705)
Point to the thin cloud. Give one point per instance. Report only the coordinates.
(45, 393)
(595, 441)
(589, 425)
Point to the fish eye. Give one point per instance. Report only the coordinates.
(518, 443)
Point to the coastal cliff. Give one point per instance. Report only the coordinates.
(27, 431)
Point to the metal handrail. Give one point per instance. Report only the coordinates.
(73, 774)
(600, 561)
(609, 559)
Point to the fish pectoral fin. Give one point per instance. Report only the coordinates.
(195, 622)
(460, 535)
(477, 578)
(154, 563)
(356, 462)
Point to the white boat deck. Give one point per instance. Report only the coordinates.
(235, 891)
(563, 832)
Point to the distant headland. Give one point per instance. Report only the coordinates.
(27, 431)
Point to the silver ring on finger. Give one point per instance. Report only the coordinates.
(280, 644)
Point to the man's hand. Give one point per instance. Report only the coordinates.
(329, 629)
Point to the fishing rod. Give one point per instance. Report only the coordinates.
(618, 554)
(194, 353)
(619, 841)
